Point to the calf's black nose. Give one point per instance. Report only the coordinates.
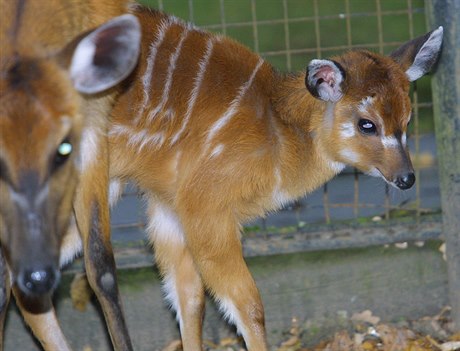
(405, 181)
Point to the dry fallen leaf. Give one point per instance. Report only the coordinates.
(358, 338)
(451, 346)
(422, 344)
(80, 292)
(369, 335)
(394, 338)
(341, 342)
(442, 249)
(368, 346)
(293, 343)
(229, 341)
(293, 340)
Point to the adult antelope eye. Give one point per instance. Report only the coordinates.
(62, 153)
(367, 127)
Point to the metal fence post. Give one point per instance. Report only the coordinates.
(446, 102)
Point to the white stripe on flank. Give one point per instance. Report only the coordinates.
(172, 66)
(217, 151)
(147, 77)
(118, 130)
(170, 114)
(203, 64)
(226, 117)
(156, 139)
(137, 137)
(129, 132)
(140, 138)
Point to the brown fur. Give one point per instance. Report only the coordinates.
(202, 181)
(203, 174)
(39, 107)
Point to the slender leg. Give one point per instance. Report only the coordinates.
(5, 290)
(39, 314)
(184, 290)
(182, 283)
(213, 240)
(92, 215)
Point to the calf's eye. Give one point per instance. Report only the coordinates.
(367, 127)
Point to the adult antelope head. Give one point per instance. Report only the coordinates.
(42, 118)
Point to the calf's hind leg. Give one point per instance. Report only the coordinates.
(213, 240)
(182, 283)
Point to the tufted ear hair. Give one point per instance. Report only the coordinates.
(418, 56)
(324, 79)
(100, 59)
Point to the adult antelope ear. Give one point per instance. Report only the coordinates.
(324, 78)
(418, 56)
(105, 56)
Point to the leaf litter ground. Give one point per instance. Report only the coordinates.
(365, 332)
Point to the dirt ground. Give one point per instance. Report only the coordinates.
(364, 332)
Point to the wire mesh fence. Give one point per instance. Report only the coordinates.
(289, 33)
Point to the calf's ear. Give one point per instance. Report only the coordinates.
(418, 56)
(324, 79)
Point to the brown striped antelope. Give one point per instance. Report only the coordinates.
(57, 75)
(215, 136)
